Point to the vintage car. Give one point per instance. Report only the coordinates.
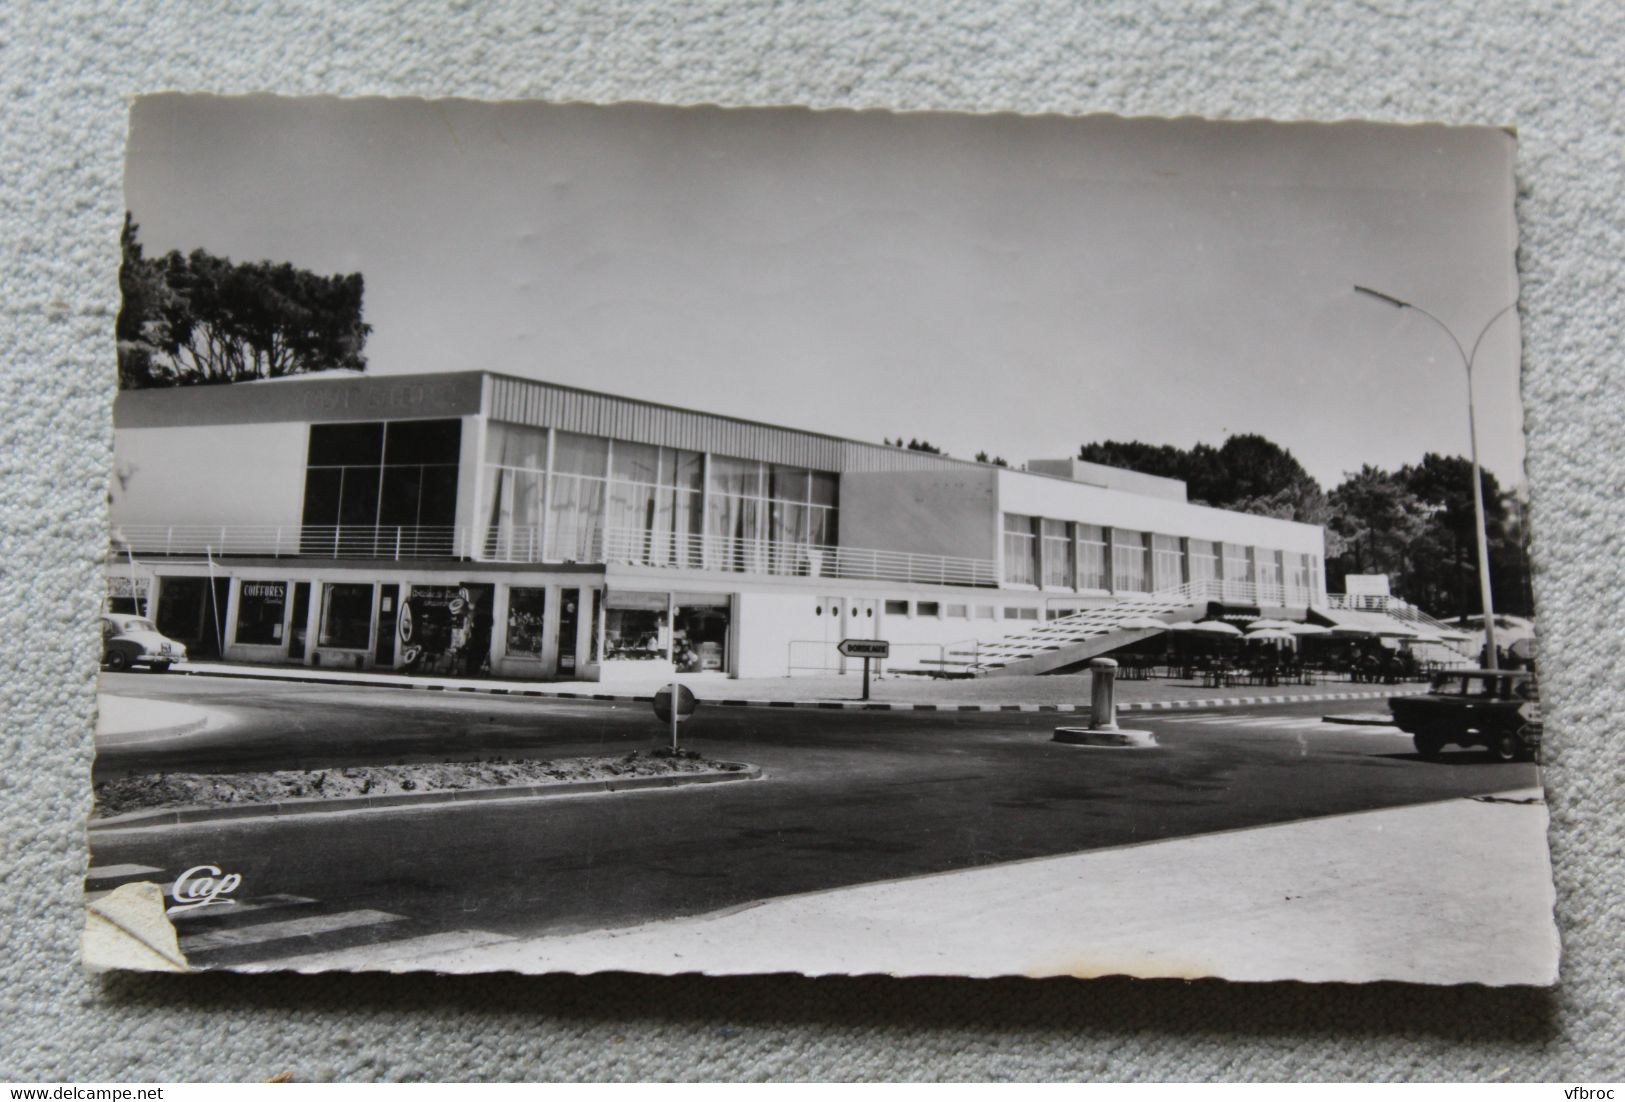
(129, 640)
(1496, 709)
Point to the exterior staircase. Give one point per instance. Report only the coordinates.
(1072, 640)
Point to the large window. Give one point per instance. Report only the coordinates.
(515, 467)
(1167, 562)
(1295, 575)
(1091, 557)
(1129, 573)
(382, 488)
(1020, 550)
(346, 616)
(768, 517)
(1057, 552)
(260, 608)
(636, 627)
(1267, 565)
(1204, 561)
(1237, 563)
(575, 501)
(599, 499)
(527, 612)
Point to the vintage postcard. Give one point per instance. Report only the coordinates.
(558, 537)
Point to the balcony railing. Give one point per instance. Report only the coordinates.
(526, 545)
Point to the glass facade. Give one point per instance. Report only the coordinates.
(594, 499)
(384, 488)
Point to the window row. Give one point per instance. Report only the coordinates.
(1057, 554)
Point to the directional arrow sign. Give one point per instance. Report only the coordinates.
(864, 648)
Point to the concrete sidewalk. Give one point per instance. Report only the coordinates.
(1061, 693)
(1451, 892)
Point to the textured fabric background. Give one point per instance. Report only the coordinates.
(67, 66)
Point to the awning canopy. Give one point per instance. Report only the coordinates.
(1347, 621)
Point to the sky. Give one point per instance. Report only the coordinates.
(1013, 284)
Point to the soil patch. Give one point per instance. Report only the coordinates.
(154, 791)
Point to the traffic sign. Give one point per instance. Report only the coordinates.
(864, 648)
(685, 704)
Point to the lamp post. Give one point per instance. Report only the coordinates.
(1467, 358)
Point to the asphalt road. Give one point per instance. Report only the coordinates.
(848, 797)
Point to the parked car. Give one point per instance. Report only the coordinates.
(129, 640)
(1496, 709)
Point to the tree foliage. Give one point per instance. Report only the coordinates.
(198, 318)
(1416, 524)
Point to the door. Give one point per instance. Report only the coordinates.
(569, 620)
(389, 613)
(300, 622)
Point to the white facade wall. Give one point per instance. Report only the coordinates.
(951, 512)
(210, 475)
(1060, 499)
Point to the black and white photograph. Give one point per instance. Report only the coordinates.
(557, 537)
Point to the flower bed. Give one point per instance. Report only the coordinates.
(154, 791)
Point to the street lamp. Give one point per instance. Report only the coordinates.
(1467, 359)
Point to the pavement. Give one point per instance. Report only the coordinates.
(1061, 693)
(850, 801)
(1420, 894)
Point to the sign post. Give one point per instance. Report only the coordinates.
(674, 705)
(865, 649)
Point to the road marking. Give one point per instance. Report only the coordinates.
(288, 928)
(382, 954)
(118, 872)
(1281, 723)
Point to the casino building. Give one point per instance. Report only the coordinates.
(479, 524)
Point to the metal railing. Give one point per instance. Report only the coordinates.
(813, 656)
(325, 541)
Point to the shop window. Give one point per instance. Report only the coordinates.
(700, 633)
(526, 612)
(636, 627)
(346, 616)
(927, 608)
(260, 607)
(896, 608)
(958, 612)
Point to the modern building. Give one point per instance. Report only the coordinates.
(473, 522)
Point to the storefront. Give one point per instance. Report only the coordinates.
(656, 633)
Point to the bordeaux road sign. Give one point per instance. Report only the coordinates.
(864, 648)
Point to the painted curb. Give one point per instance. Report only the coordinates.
(828, 705)
(278, 809)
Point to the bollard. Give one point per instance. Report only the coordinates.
(1103, 695)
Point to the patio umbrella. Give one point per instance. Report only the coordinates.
(1270, 635)
(1269, 625)
(1215, 627)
